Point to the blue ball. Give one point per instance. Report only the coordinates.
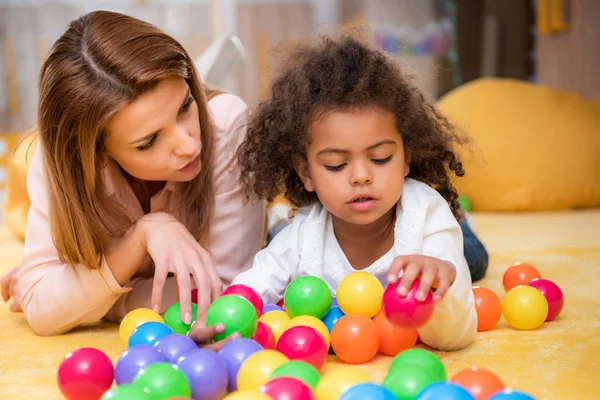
(332, 316)
(444, 391)
(133, 360)
(207, 373)
(149, 333)
(511, 394)
(368, 391)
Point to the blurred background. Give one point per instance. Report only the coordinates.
(446, 43)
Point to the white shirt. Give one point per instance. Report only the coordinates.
(424, 225)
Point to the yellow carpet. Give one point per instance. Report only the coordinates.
(557, 361)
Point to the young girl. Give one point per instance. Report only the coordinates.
(135, 168)
(350, 141)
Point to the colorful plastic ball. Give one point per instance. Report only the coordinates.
(286, 388)
(444, 391)
(337, 381)
(206, 372)
(126, 392)
(84, 374)
(525, 307)
(368, 391)
(510, 394)
(172, 318)
(264, 336)
(271, 307)
(394, 339)
(135, 318)
(133, 360)
(247, 395)
(174, 346)
(360, 293)
(149, 333)
(235, 313)
(163, 380)
(247, 293)
(307, 295)
(315, 323)
(406, 381)
(519, 274)
(422, 358)
(256, 369)
(277, 321)
(553, 295)
(481, 383)
(300, 370)
(234, 353)
(407, 311)
(303, 343)
(332, 316)
(488, 308)
(334, 302)
(355, 339)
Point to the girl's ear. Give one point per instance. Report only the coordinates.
(301, 167)
(407, 155)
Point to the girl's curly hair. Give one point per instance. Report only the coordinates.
(342, 75)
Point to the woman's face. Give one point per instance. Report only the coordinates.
(157, 137)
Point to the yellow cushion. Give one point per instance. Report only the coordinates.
(535, 148)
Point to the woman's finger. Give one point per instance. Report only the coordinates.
(182, 276)
(202, 283)
(215, 279)
(158, 284)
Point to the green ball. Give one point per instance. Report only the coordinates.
(126, 392)
(422, 358)
(465, 203)
(300, 370)
(406, 381)
(307, 295)
(163, 381)
(172, 318)
(236, 313)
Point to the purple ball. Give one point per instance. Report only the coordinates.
(206, 372)
(334, 302)
(133, 360)
(271, 307)
(174, 346)
(234, 353)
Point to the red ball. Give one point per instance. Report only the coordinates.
(553, 295)
(407, 311)
(287, 388)
(264, 336)
(303, 343)
(85, 374)
(249, 294)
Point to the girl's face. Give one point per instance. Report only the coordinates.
(356, 164)
(157, 137)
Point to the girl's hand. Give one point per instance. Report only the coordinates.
(203, 335)
(429, 269)
(10, 288)
(175, 250)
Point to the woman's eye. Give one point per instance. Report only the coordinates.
(381, 160)
(187, 105)
(334, 167)
(147, 145)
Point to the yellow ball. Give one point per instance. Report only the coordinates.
(247, 395)
(360, 293)
(525, 307)
(256, 369)
(135, 318)
(335, 382)
(277, 321)
(313, 322)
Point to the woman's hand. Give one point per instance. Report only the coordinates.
(430, 270)
(10, 288)
(174, 250)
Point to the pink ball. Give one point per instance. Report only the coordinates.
(249, 294)
(407, 312)
(264, 336)
(553, 295)
(286, 388)
(85, 374)
(305, 344)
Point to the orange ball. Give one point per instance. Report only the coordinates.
(488, 307)
(355, 339)
(481, 383)
(519, 274)
(393, 338)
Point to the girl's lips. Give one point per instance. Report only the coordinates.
(364, 205)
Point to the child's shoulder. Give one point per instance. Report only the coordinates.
(418, 195)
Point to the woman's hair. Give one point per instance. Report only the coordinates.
(342, 75)
(101, 63)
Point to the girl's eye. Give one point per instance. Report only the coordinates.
(334, 167)
(187, 105)
(381, 160)
(148, 145)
